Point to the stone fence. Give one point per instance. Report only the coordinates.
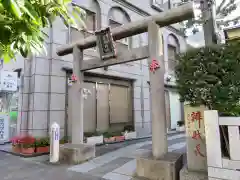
(220, 167)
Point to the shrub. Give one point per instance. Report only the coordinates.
(42, 142)
(65, 139)
(111, 133)
(180, 123)
(129, 128)
(210, 76)
(91, 134)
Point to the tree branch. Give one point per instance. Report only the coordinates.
(228, 21)
(228, 8)
(220, 6)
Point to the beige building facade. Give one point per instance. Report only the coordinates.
(119, 94)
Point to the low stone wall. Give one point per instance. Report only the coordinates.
(76, 153)
(219, 167)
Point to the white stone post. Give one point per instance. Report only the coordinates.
(213, 143)
(54, 143)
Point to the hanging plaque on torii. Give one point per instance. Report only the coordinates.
(105, 44)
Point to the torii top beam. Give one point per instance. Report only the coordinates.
(166, 18)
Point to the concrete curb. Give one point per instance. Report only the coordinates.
(23, 155)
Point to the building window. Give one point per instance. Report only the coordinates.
(157, 2)
(90, 21)
(113, 24)
(172, 51)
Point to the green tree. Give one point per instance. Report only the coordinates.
(224, 12)
(22, 23)
(210, 76)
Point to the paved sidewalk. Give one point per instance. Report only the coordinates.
(116, 165)
(121, 164)
(16, 168)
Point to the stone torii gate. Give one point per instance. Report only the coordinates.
(154, 52)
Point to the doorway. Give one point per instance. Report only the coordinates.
(109, 107)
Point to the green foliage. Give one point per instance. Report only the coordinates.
(22, 23)
(42, 142)
(65, 139)
(211, 76)
(91, 134)
(129, 128)
(111, 133)
(180, 123)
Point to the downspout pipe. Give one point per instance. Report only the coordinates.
(49, 78)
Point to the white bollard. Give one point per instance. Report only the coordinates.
(54, 143)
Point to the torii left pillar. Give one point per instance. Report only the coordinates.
(77, 151)
(77, 100)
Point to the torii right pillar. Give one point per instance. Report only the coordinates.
(158, 163)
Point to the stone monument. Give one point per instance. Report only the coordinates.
(196, 144)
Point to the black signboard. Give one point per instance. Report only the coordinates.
(105, 44)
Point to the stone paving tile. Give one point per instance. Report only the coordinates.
(128, 169)
(170, 142)
(83, 168)
(139, 178)
(176, 146)
(181, 150)
(115, 176)
(109, 167)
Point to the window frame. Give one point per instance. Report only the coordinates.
(172, 59)
(124, 40)
(94, 24)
